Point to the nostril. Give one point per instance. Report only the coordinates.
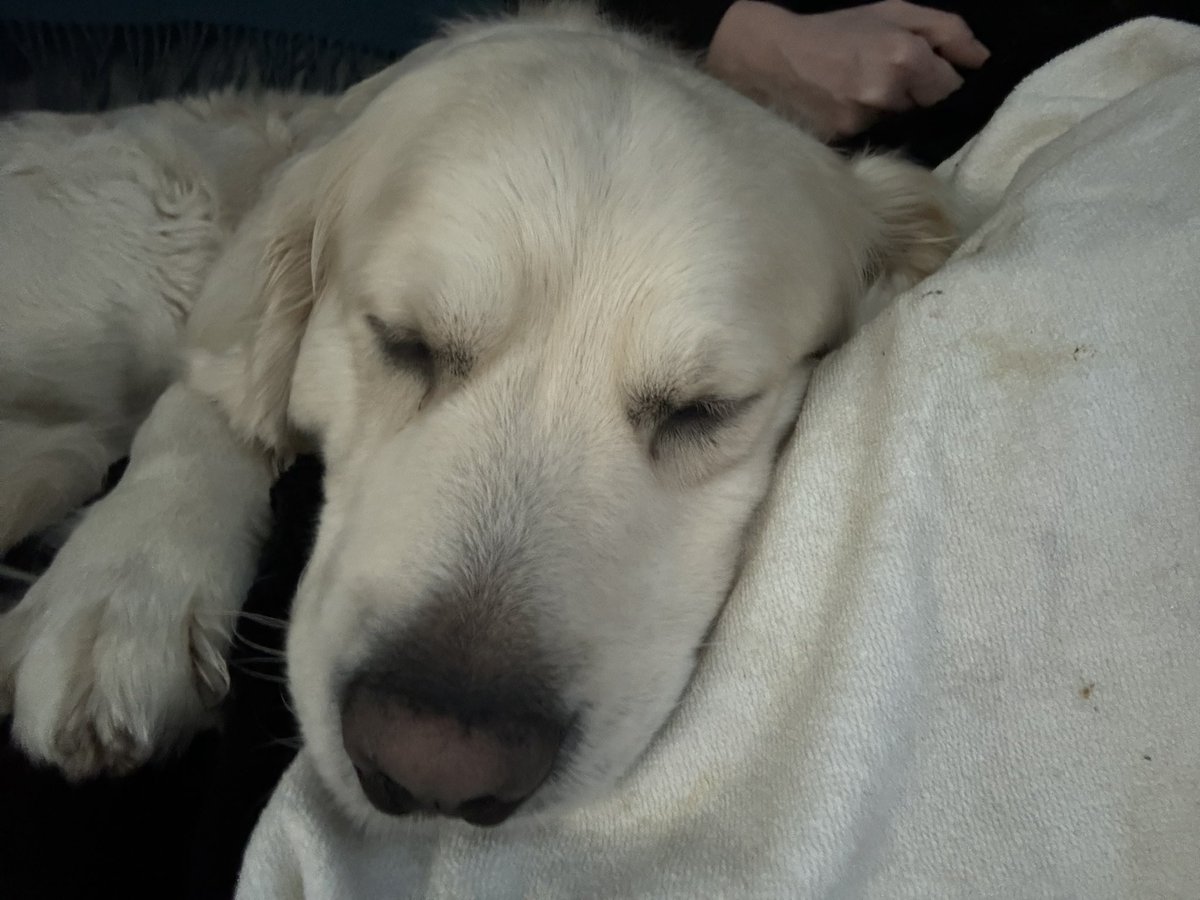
(487, 810)
(384, 794)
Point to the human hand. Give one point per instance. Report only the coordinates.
(837, 72)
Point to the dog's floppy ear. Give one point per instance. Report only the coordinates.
(915, 223)
(273, 273)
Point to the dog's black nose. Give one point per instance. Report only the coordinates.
(479, 767)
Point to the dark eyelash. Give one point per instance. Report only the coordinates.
(403, 348)
(698, 420)
(703, 413)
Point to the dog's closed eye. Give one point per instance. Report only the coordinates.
(404, 348)
(697, 421)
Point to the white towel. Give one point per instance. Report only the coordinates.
(965, 658)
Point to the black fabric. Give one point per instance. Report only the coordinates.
(177, 829)
(1022, 36)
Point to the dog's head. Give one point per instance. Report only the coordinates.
(548, 307)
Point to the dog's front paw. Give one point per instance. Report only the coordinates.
(97, 692)
(117, 654)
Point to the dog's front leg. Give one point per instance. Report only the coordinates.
(118, 652)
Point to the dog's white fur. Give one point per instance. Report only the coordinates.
(588, 233)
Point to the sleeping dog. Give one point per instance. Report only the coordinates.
(545, 298)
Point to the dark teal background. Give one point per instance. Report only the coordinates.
(386, 27)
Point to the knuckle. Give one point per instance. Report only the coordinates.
(905, 51)
(871, 92)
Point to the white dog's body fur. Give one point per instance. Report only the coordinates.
(570, 292)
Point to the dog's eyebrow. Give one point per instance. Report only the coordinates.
(654, 395)
(649, 406)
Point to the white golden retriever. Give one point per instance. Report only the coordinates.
(545, 297)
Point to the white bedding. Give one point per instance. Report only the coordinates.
(965, 658)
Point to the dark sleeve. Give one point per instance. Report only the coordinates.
(690, 25)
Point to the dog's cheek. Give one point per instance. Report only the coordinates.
(683, 579)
